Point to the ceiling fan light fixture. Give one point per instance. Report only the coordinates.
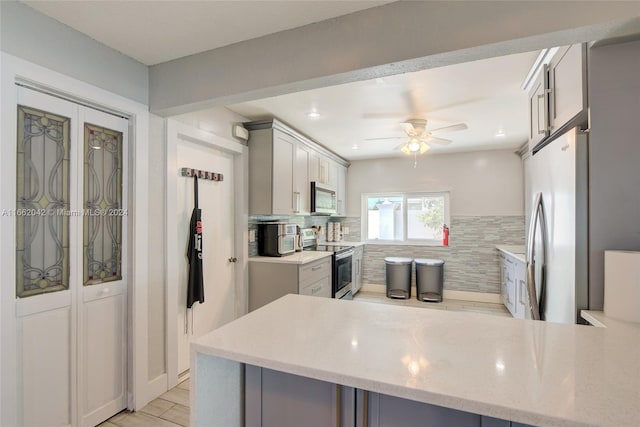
(414, 145)
(405, 149)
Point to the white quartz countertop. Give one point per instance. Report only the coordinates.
(295, 258)
(533, 372)
(517, 252)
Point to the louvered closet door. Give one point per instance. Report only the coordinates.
(70, 258)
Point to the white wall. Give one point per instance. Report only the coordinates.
(219, 121)
(37, 38)
(156, 217)
(614, 156)
(482, 183)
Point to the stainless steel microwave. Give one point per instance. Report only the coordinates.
(323, 199)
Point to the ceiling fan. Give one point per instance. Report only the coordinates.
(419, 138)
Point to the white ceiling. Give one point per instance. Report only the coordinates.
(157, 31)
(484, 94)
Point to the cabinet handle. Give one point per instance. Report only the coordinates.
(521, 292)
(316, 268)
(314, 290)
(296, 201)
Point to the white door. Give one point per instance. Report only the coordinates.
(67, 349)
(102, 306)
(216, 199)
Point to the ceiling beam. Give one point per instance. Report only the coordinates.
(390, 39)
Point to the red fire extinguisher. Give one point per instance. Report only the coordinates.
(445, 235)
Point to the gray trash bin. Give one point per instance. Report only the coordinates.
(429, 279)
(398, 271)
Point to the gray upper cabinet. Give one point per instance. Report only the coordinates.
(282, 164)
(341, 190)
(272, 161)
(568, 85)
(538, 115)
(558, 96)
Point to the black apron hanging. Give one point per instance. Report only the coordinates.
(195, 287)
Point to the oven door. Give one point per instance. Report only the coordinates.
(342, 275)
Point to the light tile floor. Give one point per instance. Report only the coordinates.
(447, 304)
(169, 410)
(172, 408)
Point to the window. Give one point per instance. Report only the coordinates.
(412, 218)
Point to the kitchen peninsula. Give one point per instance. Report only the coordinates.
(367, 364)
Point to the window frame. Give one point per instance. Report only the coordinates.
(364, 217)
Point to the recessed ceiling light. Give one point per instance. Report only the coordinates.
(500, 133)
(313, 114)
(355, 147)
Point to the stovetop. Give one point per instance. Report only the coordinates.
(325, 248)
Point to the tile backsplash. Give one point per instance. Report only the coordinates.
(471, 259)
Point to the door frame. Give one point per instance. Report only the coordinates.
(15, 70)
(174, 131)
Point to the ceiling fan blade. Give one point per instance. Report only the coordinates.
(452, 128)
(408, 128)
(439, 141)
(390, 137)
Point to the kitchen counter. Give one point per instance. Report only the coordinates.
(296, 258)
(533, 372)
(514, 251)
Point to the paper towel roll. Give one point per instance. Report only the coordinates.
(622, 285)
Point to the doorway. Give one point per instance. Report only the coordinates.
(195, 149)
(70, 261)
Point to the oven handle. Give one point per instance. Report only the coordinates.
(345, 254)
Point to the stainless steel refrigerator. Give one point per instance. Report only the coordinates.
(556, 206)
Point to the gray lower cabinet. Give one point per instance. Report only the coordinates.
(278, 399)
(269, 281)
(381, 410)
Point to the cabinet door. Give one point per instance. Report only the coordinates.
(319, 288)
(323, 169)
(342, 190)
(380, 410)
(278, 399)
(522, 306)
(503, 279)
(284, 149)
(538, 109)
(358, 255)
(333, 174)
(301, 180)
(511, 285)
(567, 84)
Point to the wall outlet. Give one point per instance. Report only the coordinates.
(252, 236)
(345, 230)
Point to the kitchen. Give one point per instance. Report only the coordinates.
(144, 380)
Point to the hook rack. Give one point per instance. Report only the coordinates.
(211, 176)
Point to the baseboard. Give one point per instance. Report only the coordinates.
(157, 386)
(447, 294)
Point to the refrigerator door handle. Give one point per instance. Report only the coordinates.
(537, 217)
